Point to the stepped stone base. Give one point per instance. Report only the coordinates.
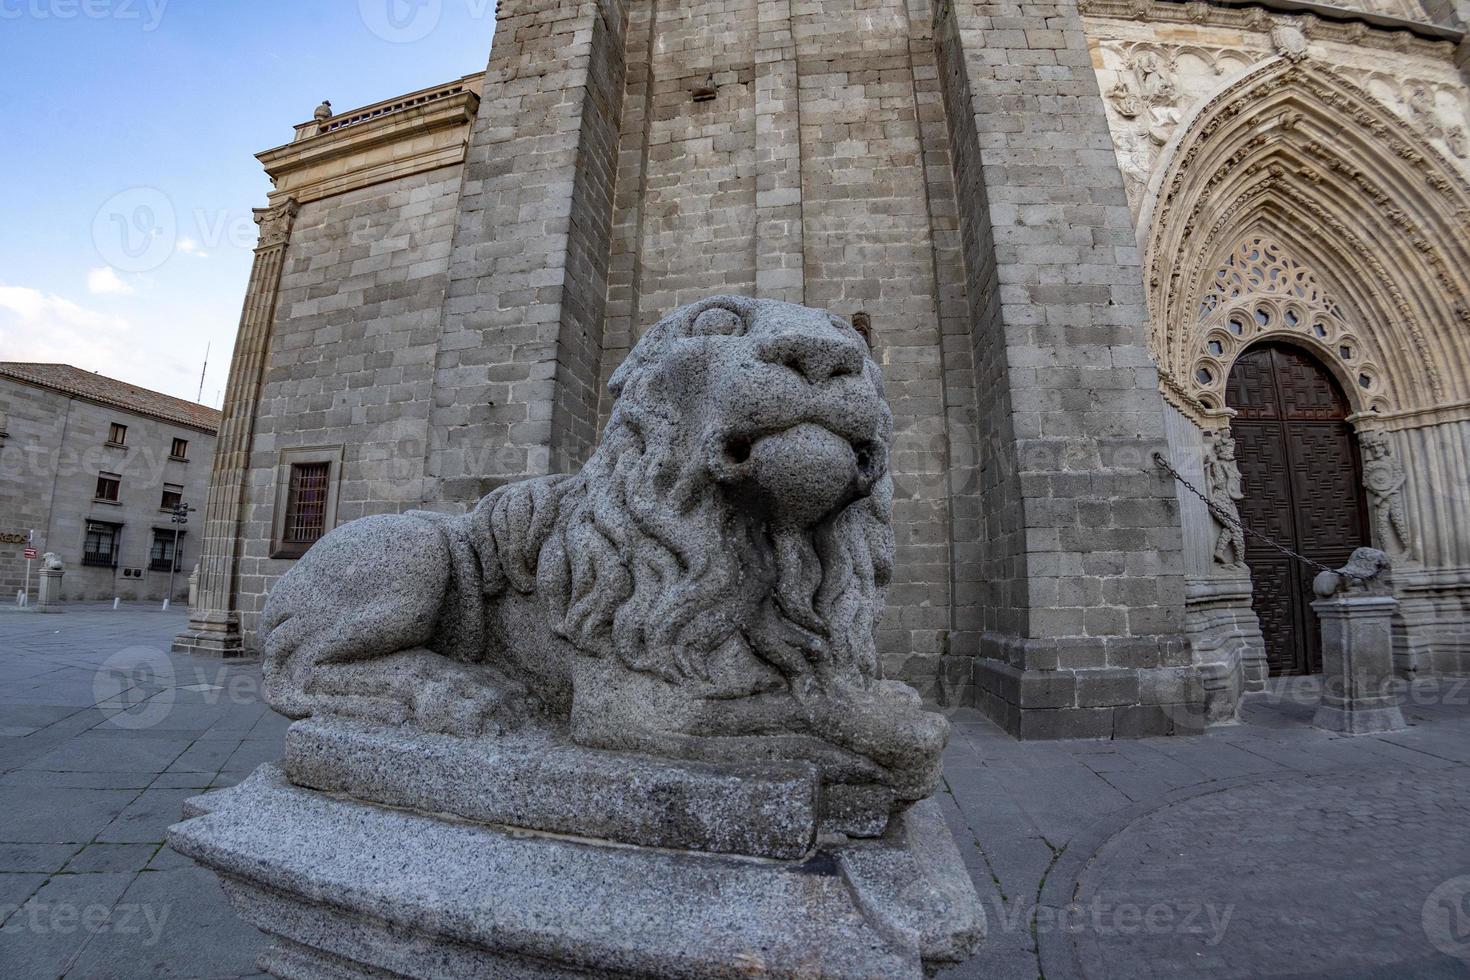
(538, 780)
(353, 889)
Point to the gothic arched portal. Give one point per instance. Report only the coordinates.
(1302, 479)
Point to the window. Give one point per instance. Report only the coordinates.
(101, 544)
(117, 434)
(180, 449)
(161, 557)
(307, 481)
(173, 495)
(108, 485)
(306, 503)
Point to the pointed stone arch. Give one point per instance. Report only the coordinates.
(1295, 157)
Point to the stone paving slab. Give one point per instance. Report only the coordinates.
(1335, 856)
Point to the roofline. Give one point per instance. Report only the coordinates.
(112, 403)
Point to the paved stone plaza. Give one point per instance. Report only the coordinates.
(1266, 848)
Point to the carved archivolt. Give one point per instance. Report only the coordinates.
(1294, 204)
(1261, 291)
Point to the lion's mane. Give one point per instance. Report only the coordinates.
(638, 554)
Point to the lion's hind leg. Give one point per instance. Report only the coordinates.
(421, 687)
(351, 629)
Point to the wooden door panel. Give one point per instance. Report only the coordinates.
(1303, 487)
(1276, 599)
(1325, 485)
(1260, 449)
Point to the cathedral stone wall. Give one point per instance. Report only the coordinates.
(351, 366)
(1015, 195)
(802, 176)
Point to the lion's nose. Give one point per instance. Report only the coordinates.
(815, 357)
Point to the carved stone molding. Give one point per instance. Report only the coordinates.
(1368, 223)
(1382, 36)
(275, 224)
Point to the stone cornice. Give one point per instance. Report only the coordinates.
(1321, 22)
(413, 133)
(1418, 418)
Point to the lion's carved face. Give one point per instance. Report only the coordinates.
(779, 404)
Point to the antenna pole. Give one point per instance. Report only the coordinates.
(201, 374)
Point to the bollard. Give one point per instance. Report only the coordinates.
(165, 604)
(1356, 611)
(116, 601)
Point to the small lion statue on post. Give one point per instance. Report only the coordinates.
(706, 588)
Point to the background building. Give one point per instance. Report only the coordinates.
(1084, 234)
(94, 465)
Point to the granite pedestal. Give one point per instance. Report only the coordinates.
(529, 874)
(1356, 609)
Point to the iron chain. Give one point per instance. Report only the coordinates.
(1225, 518)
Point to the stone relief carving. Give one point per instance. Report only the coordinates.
(1145, 94)
(1148, 87)
(706, 588)
(1425, 112)
(275, 223)
(1289, 42)
(1223, 487)
(1383, 477)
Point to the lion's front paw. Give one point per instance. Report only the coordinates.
(468, 703)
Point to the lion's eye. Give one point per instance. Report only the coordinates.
(718, 320)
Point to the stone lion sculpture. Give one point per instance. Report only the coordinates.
(52, 562)
(706, 588)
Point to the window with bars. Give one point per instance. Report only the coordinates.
(179, 450)
(173, 495)
(306, 503)
(108, 485)
(101, 544)
(306, 486)
(117, 434)
(161, 557)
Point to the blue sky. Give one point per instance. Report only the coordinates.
(149, 112)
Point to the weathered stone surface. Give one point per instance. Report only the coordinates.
(706, 588)
(1356, 610)
(628, 722)
(538, 781)
(349, 888)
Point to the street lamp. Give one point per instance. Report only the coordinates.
(180, 517)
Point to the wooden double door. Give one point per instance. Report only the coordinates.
(1302, 479)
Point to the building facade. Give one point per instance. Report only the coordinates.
(1235, 236)
(93, 468)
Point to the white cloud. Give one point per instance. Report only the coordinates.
(37, 326)
(104, 280)
(190, 247)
